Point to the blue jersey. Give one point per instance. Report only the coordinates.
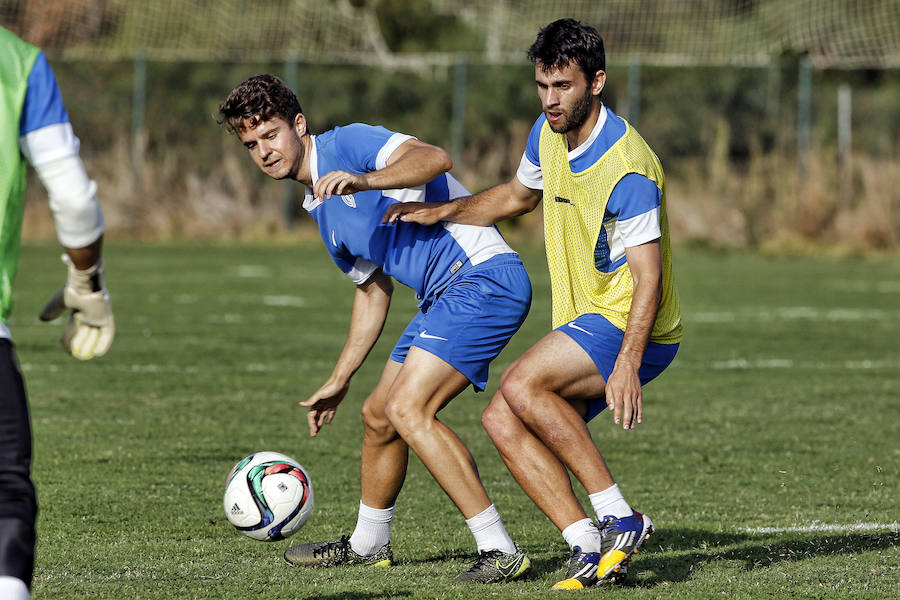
(425, 258)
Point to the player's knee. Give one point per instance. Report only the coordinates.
(516, 391)
(376, 425)
(495, 418)
(404, 416)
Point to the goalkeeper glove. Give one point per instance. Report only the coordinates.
(91, 327)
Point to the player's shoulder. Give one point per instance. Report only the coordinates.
(356, 130)
(360, 137)
(10, 42)
(614, 127)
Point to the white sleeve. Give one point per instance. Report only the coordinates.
(49, 143)
(392, 144)
(73, 200)
(640, 229)
(361, 271)
(530, 174)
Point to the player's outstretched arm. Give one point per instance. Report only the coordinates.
(413, 163)
(370, 308)
(624, 396)
(500, 202)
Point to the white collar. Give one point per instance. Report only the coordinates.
(310, 201)
(598, 126)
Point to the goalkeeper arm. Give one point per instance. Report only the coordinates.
(90, 328)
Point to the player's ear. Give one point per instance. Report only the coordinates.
(300, 124)
(598, 82)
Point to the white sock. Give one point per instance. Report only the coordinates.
(584, 534)
(373, 529)
(610, 502)
(13, 588)
(489, 532)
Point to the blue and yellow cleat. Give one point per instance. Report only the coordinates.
(581, 572)
(620, 540)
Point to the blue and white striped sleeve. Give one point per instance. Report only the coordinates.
(49, 144)
(635, 202)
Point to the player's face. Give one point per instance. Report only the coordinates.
(275, 145)
(567, 98)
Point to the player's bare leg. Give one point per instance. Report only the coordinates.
(383, 469)
(545, 392)
(384, 453)
(532, 464)
(542, 388)
(424, 386)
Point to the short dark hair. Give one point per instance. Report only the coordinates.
(566, 41)
(259, 98)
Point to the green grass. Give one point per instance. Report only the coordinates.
(780, 411)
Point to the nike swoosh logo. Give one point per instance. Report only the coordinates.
(333, 240)
(428, 336)
(512, 567)
(582, 329)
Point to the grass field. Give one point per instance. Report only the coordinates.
(768, 456)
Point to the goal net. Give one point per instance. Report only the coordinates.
(832, 33)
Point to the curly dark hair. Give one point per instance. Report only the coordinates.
(566, 41)
(259, 98)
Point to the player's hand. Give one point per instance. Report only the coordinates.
(624, 396)
(423, 213)
(339, 182)
(323, 404)
(91, 328)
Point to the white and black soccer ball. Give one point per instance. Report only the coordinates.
(268, 496)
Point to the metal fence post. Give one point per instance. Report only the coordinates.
(634, 90)
(845, 138)
(289, 208)
(458, 123)
(804, 116)
(138, 116)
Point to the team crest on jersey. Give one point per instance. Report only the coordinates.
(349, 200)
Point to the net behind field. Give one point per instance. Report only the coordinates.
(834, 34)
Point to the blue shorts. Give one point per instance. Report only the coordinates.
(473, 318)
(602, 341)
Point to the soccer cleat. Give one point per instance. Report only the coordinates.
(620, 540)
(582, 571)
(333, 554)
(495, 566)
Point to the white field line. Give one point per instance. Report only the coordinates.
(795, 313)
(284, 301)
(786, 363)
(253, 271)
(817, 526)
(866, 287)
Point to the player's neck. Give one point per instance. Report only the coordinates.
(304, 172)
(579, 135)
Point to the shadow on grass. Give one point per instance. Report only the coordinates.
(459, 554)
(696, 548)
(392, 593)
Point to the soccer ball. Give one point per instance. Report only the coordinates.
(268, 496)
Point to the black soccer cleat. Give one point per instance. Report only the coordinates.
(334, 554)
